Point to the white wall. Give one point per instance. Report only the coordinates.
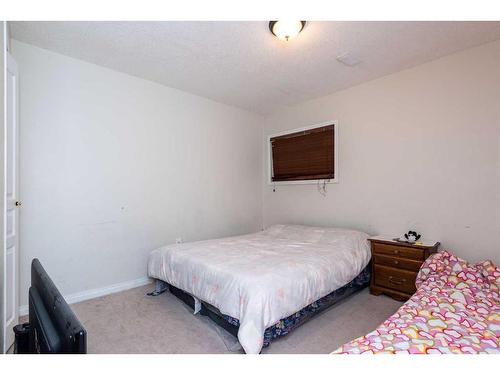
(113, 166)
(418, 149)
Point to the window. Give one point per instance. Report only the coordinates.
(304, 154)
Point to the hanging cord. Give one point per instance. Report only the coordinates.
(322, 188)
(274, 187)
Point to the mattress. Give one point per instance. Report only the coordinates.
(456, 309)
(288, 324)
(264, 277)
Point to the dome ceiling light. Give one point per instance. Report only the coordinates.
(286, 30)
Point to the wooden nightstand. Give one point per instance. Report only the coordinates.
(395, 266)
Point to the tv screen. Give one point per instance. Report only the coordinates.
(54, 328)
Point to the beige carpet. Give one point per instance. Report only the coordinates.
(131, 322)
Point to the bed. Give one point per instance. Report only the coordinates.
(266, 283)
(456, 309)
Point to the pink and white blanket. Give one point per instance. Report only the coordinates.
(456, 309)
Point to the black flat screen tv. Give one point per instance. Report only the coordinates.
(53, 327)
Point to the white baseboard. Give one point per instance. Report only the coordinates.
(98, 292)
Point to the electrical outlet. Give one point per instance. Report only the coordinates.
(178, 240)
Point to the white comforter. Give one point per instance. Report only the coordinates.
(263, 277)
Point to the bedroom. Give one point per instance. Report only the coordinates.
(135, 136)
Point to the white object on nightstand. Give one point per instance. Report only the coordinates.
(420, 242)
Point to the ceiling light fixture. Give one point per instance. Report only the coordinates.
(286, 30)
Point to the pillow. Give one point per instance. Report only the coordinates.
(294, 232)
(324, 235)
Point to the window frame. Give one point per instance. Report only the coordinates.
(334, 180)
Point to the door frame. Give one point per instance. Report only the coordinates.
(11, 205)
(3, 45)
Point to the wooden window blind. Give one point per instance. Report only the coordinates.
(304, 155)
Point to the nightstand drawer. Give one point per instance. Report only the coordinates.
(401, 263)
(398, 251)
(392, 278)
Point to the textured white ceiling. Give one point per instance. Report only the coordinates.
(242, 64)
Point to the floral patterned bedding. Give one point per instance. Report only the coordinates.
(456, 309)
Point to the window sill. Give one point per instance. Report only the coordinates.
(303, 182)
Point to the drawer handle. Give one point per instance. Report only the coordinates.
(396, 262)
(396, 251)
(396, 282)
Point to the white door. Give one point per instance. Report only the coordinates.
(12, 205)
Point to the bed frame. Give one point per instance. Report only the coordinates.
(284, 326)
